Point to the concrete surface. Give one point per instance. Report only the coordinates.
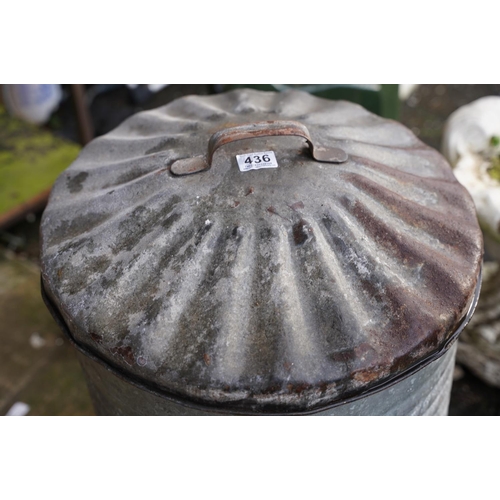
(37, 366)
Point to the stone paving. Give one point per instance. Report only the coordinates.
(37, 366)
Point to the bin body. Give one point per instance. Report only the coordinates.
(262, 253)
(426, 393)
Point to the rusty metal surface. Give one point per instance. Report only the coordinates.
(424, 393)
(423, 389)
(268, 128)
(83, 117)
(287, 288)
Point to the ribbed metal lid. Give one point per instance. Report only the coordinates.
(278, 289)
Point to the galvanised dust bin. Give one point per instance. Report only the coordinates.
(333, 281)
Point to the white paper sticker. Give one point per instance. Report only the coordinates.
(254, 161)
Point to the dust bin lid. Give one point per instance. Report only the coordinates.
(280, 289)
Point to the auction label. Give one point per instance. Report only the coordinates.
(254, 161)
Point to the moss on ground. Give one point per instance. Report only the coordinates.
(30, 160)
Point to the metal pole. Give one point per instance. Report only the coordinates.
(85, 127)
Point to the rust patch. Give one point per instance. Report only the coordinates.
(299, 388)
(206, 359)
(124, 352)
(302, 231)
(296, 206)
(366, 376)
(323, 387)
(345, 356)
(236, 203)
(96, 337)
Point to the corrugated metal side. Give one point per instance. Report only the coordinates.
(427, 392)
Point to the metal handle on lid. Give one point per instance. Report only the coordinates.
(188, 166)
